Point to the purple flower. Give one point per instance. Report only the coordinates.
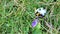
(34, 23)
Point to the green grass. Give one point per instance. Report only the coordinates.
(16, 16)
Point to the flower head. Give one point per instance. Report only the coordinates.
(34, 23)
(41, 11)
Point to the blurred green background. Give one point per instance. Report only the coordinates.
(16, 16)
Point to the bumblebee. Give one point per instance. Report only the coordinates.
(40, 12)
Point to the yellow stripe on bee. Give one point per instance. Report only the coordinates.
(37, 14)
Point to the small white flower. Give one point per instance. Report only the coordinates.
(41, 11)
